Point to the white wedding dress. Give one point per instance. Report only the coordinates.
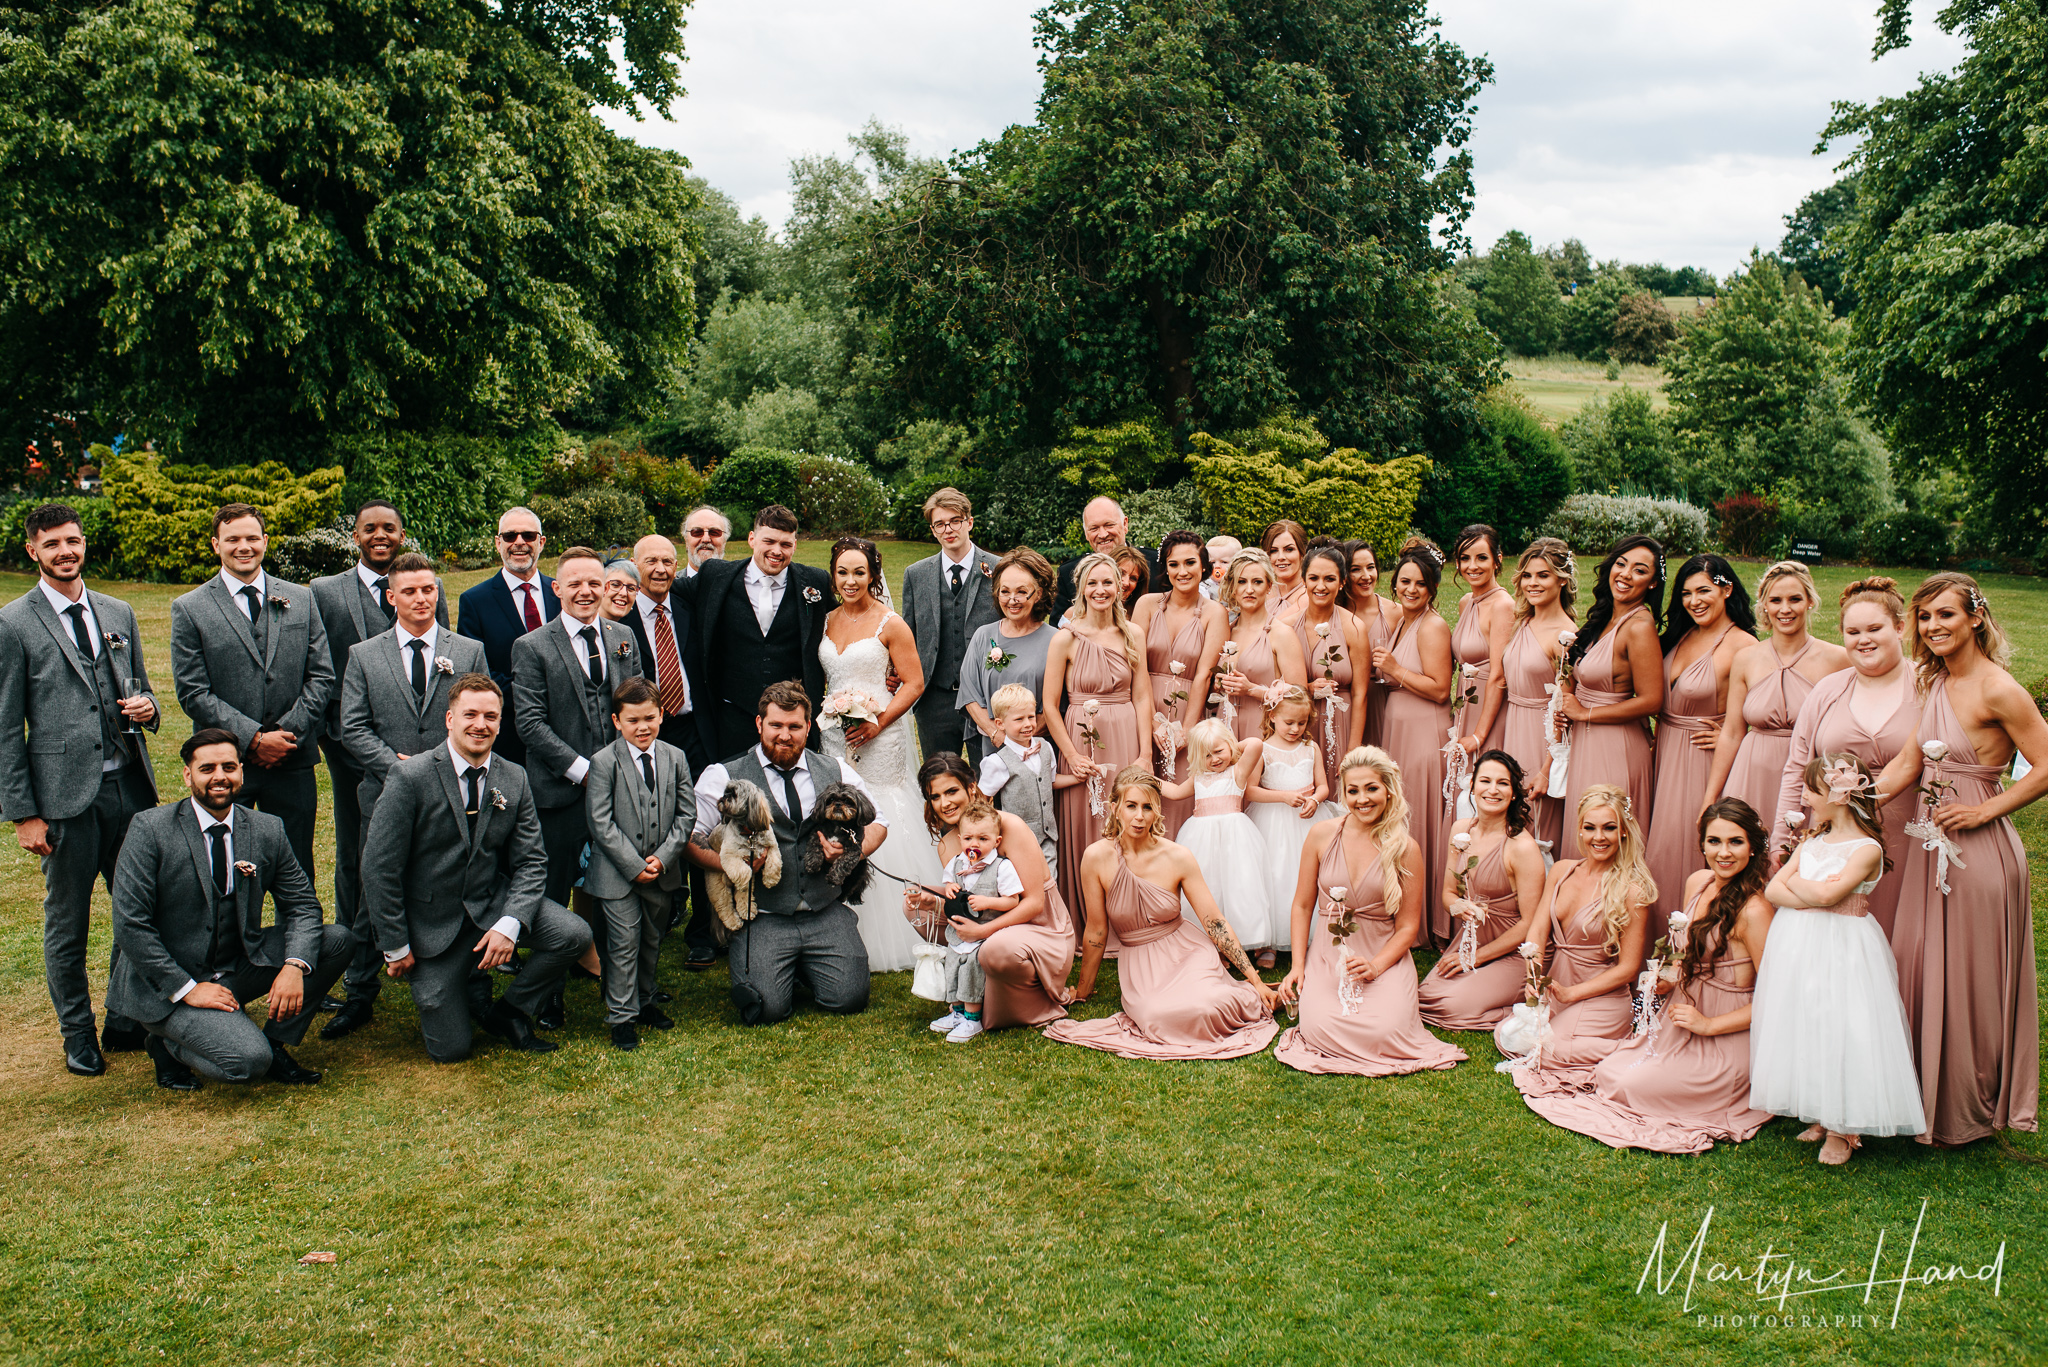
(888, 765)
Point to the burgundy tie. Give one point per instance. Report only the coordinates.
(674, 693)
(533, 622)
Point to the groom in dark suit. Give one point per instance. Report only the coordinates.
(754, 622)
(501, 609)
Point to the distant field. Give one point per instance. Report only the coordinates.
(1558, 386)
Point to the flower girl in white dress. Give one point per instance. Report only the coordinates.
(1827, 1036)
(1291, 796)
(1221, 837)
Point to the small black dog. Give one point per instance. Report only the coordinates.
(842, 813)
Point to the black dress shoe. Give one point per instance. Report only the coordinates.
(511, 1025)
(330, 1002)
(288, 1070)
(84, 1058)
(171, 1075)
(655, 1018)
(663, 998)
(353, 1016)
(549, 1017)
(129, 1041)
(625, 1036)
(700, 959)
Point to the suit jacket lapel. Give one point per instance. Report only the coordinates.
(570, 651)
(452, 786)
(271, 631)
(202, 858)
(355, 604)
(225, 604)
(60, 633)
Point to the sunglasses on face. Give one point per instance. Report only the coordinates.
(518, 536)
(695, 532)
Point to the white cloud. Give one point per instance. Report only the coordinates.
(1650, 131)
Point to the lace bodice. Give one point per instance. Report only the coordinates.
(890, 758)
(1288, 771)
(1820, 858)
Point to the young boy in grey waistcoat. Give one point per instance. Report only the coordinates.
(1022, 775)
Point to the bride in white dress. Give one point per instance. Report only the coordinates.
(862, 639)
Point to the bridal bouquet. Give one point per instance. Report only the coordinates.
(1554, 724)
(848, 708)
(1933, 838)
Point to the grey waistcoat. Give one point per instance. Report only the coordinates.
(798, 891)
(1029, 797)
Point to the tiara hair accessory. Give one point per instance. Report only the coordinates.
(1434, 554)
(1724, 581)
(1976, 602)
(1847, 784)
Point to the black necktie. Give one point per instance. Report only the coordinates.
(76, 612)
(255, 602)
(791, 803)
(219, 835)
(383, 602)
(592, 661)
(419, 667)
(474, 779)
(647, 770)
(957, 572)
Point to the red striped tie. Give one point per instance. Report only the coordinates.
(532, 608)
(668, 668)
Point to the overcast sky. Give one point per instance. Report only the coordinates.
(1651, 131)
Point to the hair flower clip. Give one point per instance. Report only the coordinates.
(1847, 784)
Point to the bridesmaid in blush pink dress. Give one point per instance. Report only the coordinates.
(1331, 640)
(1417, 668)
(1506, 882)
(1596, 944)
(1285, 543)
(1709, 623)
(1178, 1003)
(1183, 632)
(1353, 979)
(1868, 710)
(1094, 696)
(1619, 669)
(1766, 686)
(1486, 618)
(1256, 655)
(1965, 934)
(1546, 584)
(1684, 1086)
(1377, 617)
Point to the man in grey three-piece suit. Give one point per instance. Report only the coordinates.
(74, 768)
(946, 597)
(188, 916)
(394, 705)
(353, 607)
(249, 655)
(562, 681)
(453, 876)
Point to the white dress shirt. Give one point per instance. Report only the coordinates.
(995, 773)
(651, 624)
(207, 821)
(370, 578)
(764, 592)
(966, 564)
(959, 869)
(575, 629)
(1212, 590)
(236, 587)
(405, 640)
(507, 926)
(62, 606)
(711, 787)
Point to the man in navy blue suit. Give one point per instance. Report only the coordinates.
(501, 609)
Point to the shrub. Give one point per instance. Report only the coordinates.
(1341, 494)
(1907, 537)
(669, 488)
(95, 519)
(1113, 461)
(1621, 442)
(449, 488)
(1155, 512)
(1801, 521)
(598, 518)
(1019, 503)
(923, 448)
(1509, 474)
(164, 513)
(1643, 329)
(906, 516)
(1747, 523)
(752, 478)
(836, 495)
(305, 556)
(1590, 523)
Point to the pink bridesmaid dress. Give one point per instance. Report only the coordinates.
(1331, 730)
(1673, 1091)
(1161, 653)
(1255, 662)
(1104, 677)
(1530, 672)
(1417, 730)
(1826, 724)
(1616, 752)
(1587, 1031)
(1481, 999)
(1377, 636)
(1471, 651)
(1178, 1002)
(1768, 711)
(1672, 840)
(1023, 964)
(1966, 958)
(1384, 1035)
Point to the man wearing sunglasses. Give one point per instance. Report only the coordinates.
(705, 532)
(499, 610)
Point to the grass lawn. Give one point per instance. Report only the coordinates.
(855, 1190)
(1557, 387)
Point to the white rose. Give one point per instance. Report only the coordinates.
(1461, 841)
(1530, 949)
(1567, 638)
(1935, 750)
(1091, 707)
(1337, 894)
(1177, 666)
(1795, 819)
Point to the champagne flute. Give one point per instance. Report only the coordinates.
(131, 689)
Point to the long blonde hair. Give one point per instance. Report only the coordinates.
(1134, 644)
(1627, 880)
(1990, 636)
(1132, 776)
(1558, 556)
(1390, 833)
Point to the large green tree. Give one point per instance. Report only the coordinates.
(1949, 261)
(235, 224)
(1223, 210)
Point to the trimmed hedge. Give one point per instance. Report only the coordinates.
(751, 478)
(601, 519)
(1342, 494)
(164, 513)
(1590, 523)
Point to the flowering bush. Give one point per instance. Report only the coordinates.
(1590, 523)
(1747, 522)
(836, 495)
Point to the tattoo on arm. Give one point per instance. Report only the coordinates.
(1225, 940)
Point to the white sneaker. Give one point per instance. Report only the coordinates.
(965, 1031)
(948, 1022)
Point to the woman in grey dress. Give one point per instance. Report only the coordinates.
(1013, 650)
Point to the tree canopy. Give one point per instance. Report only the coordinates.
(1224, 210)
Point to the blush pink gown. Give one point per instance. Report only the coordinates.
(1966, 958)
(1332, 728)
(1584, 1032)
(1768, 711)
(1377, 634)
(1672, 839)
(1178, 1002)
(1416, 733)
(1255, 662)
(1471, 650)
(1480, 1000)
(1606, 752)
(1161, 652)
(1384, 1037)
(1826, 724)
(1022, 963)
(1103, 676)
(1529, 673)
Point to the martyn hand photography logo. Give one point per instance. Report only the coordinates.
(1778, 1286)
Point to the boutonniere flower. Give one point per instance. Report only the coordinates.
(443, 665)
(811, 595)
(280, 602)
(988, 571)
(245, 868)
(497, 800)
(115, 640)
(624, 649)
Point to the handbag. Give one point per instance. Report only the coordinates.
(928, 971)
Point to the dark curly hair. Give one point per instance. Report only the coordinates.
(1706, 939)
(1677, 621)
(1041, 571)
(876, 588)
(1518, 804)
(1173, 539)
(1428, 561)
(945, 762)
(1602, 611)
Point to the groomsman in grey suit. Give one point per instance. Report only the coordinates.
(394, 705)
(188, 917)
(562, 681)
(353, 607)
(453, 877)
(74, 768)
(946, 597)
(249, 655)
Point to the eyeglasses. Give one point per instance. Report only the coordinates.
(518, 536)
(950, 524)
(695, 532)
